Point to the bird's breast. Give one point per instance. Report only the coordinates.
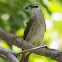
(36, 33)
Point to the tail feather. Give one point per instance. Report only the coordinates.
(25, 59)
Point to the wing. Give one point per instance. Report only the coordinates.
(28, 26)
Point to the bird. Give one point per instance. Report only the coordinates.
(35, 29)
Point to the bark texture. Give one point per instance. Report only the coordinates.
(14, 40)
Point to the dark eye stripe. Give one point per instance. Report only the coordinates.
(35, 6)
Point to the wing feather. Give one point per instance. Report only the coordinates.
(28, 26)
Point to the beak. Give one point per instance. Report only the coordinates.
(32, 6)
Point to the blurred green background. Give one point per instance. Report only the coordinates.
(13, 18)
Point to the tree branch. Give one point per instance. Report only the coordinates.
(14, 40)
(7, 54)
(39, 47)
(3, 56)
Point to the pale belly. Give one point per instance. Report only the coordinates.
(35, 35)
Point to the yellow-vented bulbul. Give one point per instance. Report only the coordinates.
(35, 29)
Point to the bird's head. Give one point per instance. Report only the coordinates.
(35, 9)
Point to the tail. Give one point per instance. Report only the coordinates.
(25, 57)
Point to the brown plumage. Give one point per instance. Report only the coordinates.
(35, 29)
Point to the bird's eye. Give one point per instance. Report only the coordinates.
(35, 6)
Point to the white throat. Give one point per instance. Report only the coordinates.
(36, 11)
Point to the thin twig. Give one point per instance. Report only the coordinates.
(39, 47)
